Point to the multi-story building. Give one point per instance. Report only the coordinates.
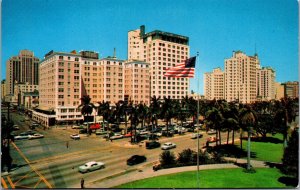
(22, 88)
(291, 89)
(162, 50)
(240, 77)
(22, 68)
(214, 84)
(60, 88)
(137, 82)
(103, 79)
(279, 91)
(3, 89)
(266, 83)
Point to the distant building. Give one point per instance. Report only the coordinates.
(21, 88)
(291, 89)
(162, 50)
(21, 69)
(279, 91)
(240, 77)
(3, 89)
(266, 83)
(214, 84)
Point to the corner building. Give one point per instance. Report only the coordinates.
(162, 50)
(59, 89)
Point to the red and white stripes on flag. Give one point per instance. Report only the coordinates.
(185, 69)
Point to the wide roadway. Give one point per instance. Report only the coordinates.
(59, 164)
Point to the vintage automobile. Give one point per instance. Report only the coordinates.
(91, 166)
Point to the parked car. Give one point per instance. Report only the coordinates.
(101, 132)
(91, 166)
(82, 131)
(136, 159)
(152, 144)
(168, 145)
(116, 136)
(211, 139)
(196, 135)
(75, 136)
(77, 127)
(128, 135)
(35, 136)
(29, 132)
(211, 132)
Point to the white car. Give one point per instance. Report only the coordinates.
(168, 145)
(91, 166)
(21, 136)
(35, 136)
(211, 132)
(116, 136)
(75, 136)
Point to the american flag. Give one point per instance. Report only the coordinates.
(185, 69)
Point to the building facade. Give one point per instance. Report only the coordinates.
(22, 68)
(137, 82)
(214, 84)
(20, 90)
(279, 91)
(60, 86)
(162, 50)
(291, 89)
(3, 89)
(241, 77)
(266, 83)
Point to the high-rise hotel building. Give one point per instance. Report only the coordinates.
(214, 84)
(67, 77)
(266, 83)
(162, 50)
(23, 68)
(60, 87)
(241, 77)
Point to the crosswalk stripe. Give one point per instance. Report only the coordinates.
(10, 182)
(3, 183)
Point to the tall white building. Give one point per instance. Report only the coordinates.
(162, 50)
(214, 84)
(241, 77)
(266, 83)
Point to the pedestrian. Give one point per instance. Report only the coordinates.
(207, 144)
(67, 144)
(82, 183)
(111, 140)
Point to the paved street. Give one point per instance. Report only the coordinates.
(59, 164)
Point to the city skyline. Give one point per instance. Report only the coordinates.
(215, 29)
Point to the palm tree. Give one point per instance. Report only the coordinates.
(168, 111)
(103, 110)
(286, 113)
(134, 120)
(213, 120)
(248, 120)
(155, 108)
(86, 109)
(142, 109)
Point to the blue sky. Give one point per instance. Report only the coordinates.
(215, 28)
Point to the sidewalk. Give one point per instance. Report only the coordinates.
(147, 172)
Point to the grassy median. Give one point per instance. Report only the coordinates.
(218, 178)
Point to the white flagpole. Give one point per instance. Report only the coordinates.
(198, 183)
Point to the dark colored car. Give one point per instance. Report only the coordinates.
(136, 159)
(82, 131)
(152, 144)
